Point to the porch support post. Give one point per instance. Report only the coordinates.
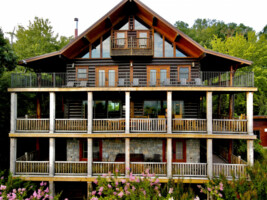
(13, 110)
(52, 111)
(89, 189)
(127, 112)
(90, 112)
(250, 152)
(231, 106)
(90, 156)
(52, 154)
(127, 155)
(209, 112)
(169, 157)
(13, 155)
(169, 112)
(250, 113)
(209, 158)
(52, 188)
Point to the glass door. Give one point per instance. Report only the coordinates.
(153, 77)
(111, 78)
(101, 78)
(178, 150)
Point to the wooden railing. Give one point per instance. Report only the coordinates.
(71, 125)
(32, 167)
(37, 125)
(100, 168)
(157, 168)
(109, 125)
(189, 169)
(229, 125)
(228, 170)
(71, 167)
(237, 160)
(148, 125)
(189, 125)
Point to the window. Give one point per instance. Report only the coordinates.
(143, 38)
(96, 49)
(158, 45)
(184, 73)
(139, 26)
(97, 150)
(179, 53)
(152, 108)
(100, 109)
(106, 48)
(121, 39)
(168, 49)
(81, 73)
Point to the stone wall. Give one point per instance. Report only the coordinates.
(192, 151)
(151, 148)
(73, 150)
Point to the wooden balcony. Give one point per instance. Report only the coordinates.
(135, 79)
(137, 125)
(132, 46)
(79, 168)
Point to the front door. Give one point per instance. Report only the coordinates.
(178, 150)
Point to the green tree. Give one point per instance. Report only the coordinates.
(7, 56)
(252, 48)
(37, 39)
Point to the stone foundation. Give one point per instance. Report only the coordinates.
(193, 151)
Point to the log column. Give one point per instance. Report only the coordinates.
(13, 110)
(52, 111)
(169, 112)
(13, 155)
(209, 131)
(52, 154)
(127, 155)
(250, 150)
(90, 131)
(52, 188)
(169, 157)
(127, 112)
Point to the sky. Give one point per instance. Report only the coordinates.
(61, 13)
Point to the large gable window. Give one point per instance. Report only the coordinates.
(158, 48)
(168, 49)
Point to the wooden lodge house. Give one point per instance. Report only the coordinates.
(131, 91)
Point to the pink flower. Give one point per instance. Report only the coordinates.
(2, 178)
(23, 189)
(42, 183)
(197, 198)
(94, 192)
(133, 188)
(127, 193)
(221, 186)
(123, 181)
(170, 190)
(121, 194)
(14, 190)
(94, 198)
(46, 190)
(117, 189)
(116, 183)
(34, 194)
(156, 181)
(156, 188)
(109, 186)
(209, 189)
(147, 171)
(95, 181)
(116, 170)
(201, 191)
(220, 195)
(199, 186)
(101, 189)
(115, 193)
(137, 180)
(144, 192)
(127, 168)
(99, 193)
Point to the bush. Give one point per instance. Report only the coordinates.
(14, 188)
(133, 187)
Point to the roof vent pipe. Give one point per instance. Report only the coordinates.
(76, 29)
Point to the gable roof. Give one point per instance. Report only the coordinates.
(120, 12)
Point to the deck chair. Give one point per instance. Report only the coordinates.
(198, 81)
(183, 81)
(70, 84)
(121, 82)
(178, 124)
(83, 84)
(135, 82)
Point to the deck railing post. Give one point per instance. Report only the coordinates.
(52, 111)
(13, 109)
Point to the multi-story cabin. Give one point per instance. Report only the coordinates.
(131, 91)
